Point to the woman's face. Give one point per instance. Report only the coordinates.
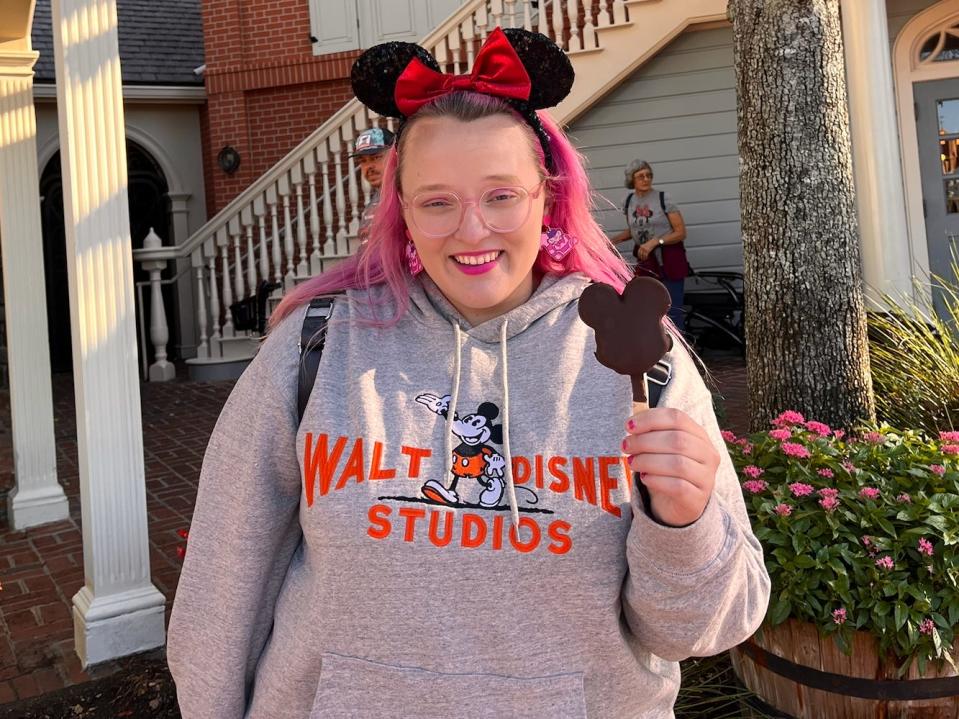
(643, 180)
(484, 273)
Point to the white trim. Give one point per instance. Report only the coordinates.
(170, 94)
(906, 72)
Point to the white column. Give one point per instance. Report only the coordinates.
(880, 197)
(37, 498)
(118, 611)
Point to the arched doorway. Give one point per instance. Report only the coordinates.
(149, 207)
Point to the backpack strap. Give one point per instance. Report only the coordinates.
(629, 198)
(656, 380)
(310, 346)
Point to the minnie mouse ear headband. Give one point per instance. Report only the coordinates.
(525, 69)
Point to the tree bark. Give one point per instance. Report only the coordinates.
(805, 323)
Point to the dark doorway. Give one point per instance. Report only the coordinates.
(149, 207)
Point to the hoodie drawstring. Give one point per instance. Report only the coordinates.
(451, 410)
(508, 469)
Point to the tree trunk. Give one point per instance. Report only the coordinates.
(805, 315)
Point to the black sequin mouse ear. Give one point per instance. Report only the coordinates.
(375, 72)
(550, 71)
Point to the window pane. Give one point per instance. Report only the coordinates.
(952, 196)
(950, 50)
(948, 117)
(949, 155)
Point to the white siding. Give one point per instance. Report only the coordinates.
(678, 113)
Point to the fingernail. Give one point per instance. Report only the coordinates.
(631, 424)
(625, 448)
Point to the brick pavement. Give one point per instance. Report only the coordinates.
(42, 568)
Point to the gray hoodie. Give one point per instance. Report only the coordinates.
(321, 582)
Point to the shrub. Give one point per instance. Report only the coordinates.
(858, 531)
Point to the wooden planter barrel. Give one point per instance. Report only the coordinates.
(803, 675)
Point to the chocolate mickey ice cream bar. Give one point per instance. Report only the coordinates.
(630, 337)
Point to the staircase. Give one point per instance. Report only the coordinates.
(302, 216)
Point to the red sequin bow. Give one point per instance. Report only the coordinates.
(497, 71)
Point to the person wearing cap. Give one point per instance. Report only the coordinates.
(370, 153)
(655, 230)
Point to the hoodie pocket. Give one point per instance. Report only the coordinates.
(358, 688)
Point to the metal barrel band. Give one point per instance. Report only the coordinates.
(883, 689)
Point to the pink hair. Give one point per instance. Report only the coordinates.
(383, 259)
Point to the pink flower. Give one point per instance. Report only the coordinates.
(823, 430)
(839, 433)
(753, 471)
(755, 486)
(867, 543)
(788, 417)
(949, 436)
(828, 492)
(728, 436)
(747, 448)
(783, 510)
(926, 626)
(869, 493)
(825, 472)
(873, 437)
(780, 434)
(937, 469)
(799, 489)
(925, 547)
(904, 499)
(885, 563)
(829, 503)
(950, 449)
(839, 615)
(795, 450)
(849, 467)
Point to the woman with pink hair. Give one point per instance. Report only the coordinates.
(453, 520)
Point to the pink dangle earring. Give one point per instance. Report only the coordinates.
(556, 242)
(413, 262)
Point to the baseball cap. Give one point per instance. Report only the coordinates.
(372, 141)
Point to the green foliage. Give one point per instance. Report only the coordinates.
(710, 689)
(859, 533)
(914, 354)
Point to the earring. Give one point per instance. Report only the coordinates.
(556, 243)
(413, 262)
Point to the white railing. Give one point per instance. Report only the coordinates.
(303, 213)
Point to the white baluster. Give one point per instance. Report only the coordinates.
(619, 12)
(589, 29)
(302, 268)
(239, 291)
(496, 13)
(572, 13)
(162, 370)
(482, 21)
(275, 242)
(442, 55)
(509, 14)
(468, 30)
(259, 209)
(338, 192)
(203, 348)
(456, 51)
(557, 29)
(247, 220)
(329, 246)
(309, 162)
(605, 18)
(215, 337)
(354, 195)
(527, 15)
(223, 241)
(288, 279)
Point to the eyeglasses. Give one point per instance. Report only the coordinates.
(501, 209)
(643, 175)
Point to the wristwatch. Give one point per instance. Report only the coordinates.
(661, 243)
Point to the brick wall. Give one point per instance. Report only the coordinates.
(266, 90)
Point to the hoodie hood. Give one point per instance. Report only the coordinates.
(429, 305)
